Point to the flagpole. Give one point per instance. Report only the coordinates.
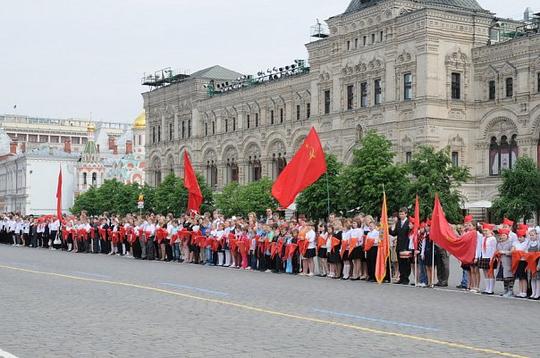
(388, 253)
(432, 262)
(327, 195)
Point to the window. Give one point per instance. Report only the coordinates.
(278, 164)
(248, 121)
(456, 85)
(159, 134)
(211, 174)
(153, 135)
(308, 110)
(55, 139)
(226, 125)
(76, 140)
(491, 90)
(538, 82)
(408, 157)
(372, 38)
(33, 138)
(297, 112)
(256, 119)
(183, 130)
(94, 179)
(213, 127)
(502, 154)
(189, 128)
(348, 45)
(232, 168)
(381, 36)
(407, 86)
(206, 129)
(364, 40)
(255, 168)
(140, 139)
(327, 102)
(234, 124)
(363, 95)
(272, 117)
(355, 44)
(455, 159)
(509, 87)
(281, 115)
(43, 139)
(85, 178)
(378, 91)
(350, 97)
(170, 131)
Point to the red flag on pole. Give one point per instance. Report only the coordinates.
(384, 246)
(463, 248)
(307, 165)
(195, 197)
(416, 227)
(59, 196)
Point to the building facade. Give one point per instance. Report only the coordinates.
(440, 73)
(29, 169)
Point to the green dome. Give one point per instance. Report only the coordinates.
(357, 5)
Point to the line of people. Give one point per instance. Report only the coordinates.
(343, 248)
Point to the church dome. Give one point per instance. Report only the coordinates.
(357, 5)
(140, 121)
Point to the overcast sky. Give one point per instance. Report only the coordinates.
(76, 58)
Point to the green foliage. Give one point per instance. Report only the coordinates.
(313, 202)
(361, 185)
(240, 200)
(519, 192)
(116, 197)
(432, 172)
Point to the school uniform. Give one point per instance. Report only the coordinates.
(489, 246)
(150, 232)
(372, 253)
(521, 271)
(356, 252)
(401, 231)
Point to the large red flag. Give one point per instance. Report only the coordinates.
(307, 165)
(463, 248)
(59, 196)
(195, 197)
(416, 222)
(384, 246)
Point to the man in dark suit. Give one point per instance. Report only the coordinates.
(401, 229)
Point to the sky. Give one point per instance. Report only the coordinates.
(85, 59)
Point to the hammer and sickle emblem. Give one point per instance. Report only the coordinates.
(311, 154)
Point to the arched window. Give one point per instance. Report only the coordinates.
(85, 178)
(94, 179)
(211, 173)
(232, 171)
(503, 154)
(255, 168)
(279, 162)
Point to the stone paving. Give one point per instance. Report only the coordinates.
(218, 312)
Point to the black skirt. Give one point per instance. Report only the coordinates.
(484, 264)
(322, 253)
(521, 272)
(310, 253)
(356, 253)
(333, 257)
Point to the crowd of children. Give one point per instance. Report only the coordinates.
(341, 248)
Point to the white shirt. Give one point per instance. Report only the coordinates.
(374, 235)
(311, 236)
(513, 237)
(54, 225)
(150, 228)
(489, 248)
(358, 234)
(521, 246)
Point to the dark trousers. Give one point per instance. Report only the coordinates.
(371, 259)
(443, 265)
(404, 269)
(150, 249)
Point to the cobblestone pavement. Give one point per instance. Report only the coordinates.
(76, 305)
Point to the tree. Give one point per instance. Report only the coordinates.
(519, 192)
(86, 201)
(314, 200)
(361, 185)
(433, 172)
(170, 196)
(240, 200)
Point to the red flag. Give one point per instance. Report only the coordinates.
(59, 196)
(384, 245)
(416, 222)
(463, 248)
(195, 197)
(307, 165)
